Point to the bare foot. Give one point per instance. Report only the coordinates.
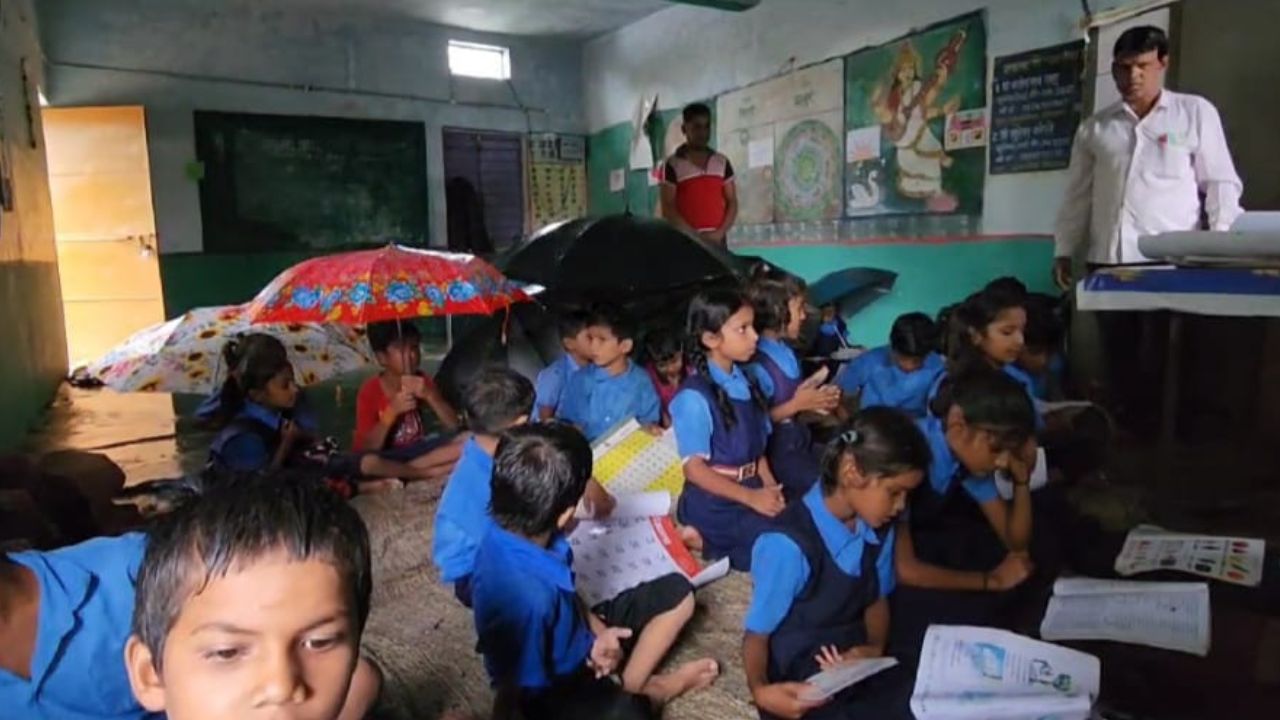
(693, 675)
(691, 537)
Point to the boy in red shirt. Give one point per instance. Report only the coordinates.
(389, 404)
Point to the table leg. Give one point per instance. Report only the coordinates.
(1172, 378)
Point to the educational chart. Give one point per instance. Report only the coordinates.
(630, 460)
(900, 101)
(1233, 560)
(614, 556)
(784, 139)
(557, 191)
(1036, 102)
(1172, 616)
(977, 673)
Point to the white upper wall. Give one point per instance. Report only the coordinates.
(244, 51)
(685, 54)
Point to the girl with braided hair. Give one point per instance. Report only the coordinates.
(721, 421)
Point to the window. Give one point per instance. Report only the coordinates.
(479, 61)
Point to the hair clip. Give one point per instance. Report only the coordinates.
(849, 437)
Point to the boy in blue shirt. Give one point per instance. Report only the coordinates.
(899, 374)
(577, 355)
(495, 400)
(612, 389)
(546, 655)
(64, 621)
(250, 603)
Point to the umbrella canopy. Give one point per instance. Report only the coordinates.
(526, 342)
(851, 289)
(390, 283)
(184, 355)
(618, 257)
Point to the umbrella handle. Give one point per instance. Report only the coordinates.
(506, 320)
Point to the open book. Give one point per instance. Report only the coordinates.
(978, 673)
(1173, 616)
(1233, 560)
(829, 683)
(630, 460)
(615, 555)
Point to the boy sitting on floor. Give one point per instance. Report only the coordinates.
(546, 655)
(250, 603)
(64, 620)
(553, 378)
(612, 389)
(388, 406)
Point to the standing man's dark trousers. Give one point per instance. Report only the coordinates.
(1133, 351)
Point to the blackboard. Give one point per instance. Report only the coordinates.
(1036, 101)
(271, 183)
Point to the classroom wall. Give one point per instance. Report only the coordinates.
(684, 54)
(32, 347)
(394, 70)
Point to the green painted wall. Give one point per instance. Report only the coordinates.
(34, 356)
(930, 276)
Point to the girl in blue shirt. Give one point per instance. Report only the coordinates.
(821, 597)
(779, 312)
(261, 431)
(958, 533)
(721, 422)
(900, 374)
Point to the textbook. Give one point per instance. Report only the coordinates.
(979, 673)
(1230, 559)
(628, 459)
(1173, 616)
(615, 555)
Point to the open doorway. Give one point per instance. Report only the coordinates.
(104, 225)
(484, 189)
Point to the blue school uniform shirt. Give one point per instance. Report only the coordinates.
(882, 382)
(779, 570)
(243, 451)
(596, 401)
(462, 519)
(86, 610)
(944, 469)
(549, 386)
(691, 416)
(530, 628)
(783, 356)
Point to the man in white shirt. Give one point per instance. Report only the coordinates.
(1154, 162)
(1139, 167)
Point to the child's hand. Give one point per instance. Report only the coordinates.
(1015, 568)
(402, 403)
(767, 500)
(817, 399)
(654, 430)
(783, 700)
(290, 433)
(606, 651)
(830, 657)
(597, 501)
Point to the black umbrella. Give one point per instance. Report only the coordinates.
(851, 289)
(621, 258)
(526, 340)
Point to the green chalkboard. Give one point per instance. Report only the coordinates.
(279, 183)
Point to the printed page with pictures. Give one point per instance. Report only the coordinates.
(979, 673)
(1233, 560)
(628, 459)
(1172, 616)
(615, 555)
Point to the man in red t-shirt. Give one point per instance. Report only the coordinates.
(698, 193)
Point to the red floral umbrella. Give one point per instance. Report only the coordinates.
(390, 283)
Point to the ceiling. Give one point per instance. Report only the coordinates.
(565, 18)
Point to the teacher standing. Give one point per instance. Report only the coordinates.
(1157, 161)
(698, 192)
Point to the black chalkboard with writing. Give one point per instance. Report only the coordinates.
(272, 183)
(1036, 101)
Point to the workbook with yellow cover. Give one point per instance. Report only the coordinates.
(629, 459)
